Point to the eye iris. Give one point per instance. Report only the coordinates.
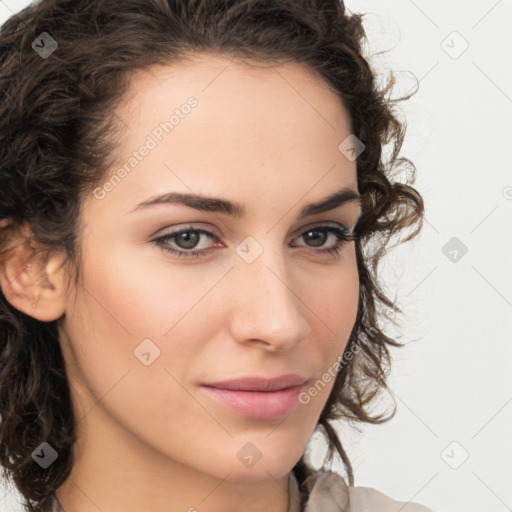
(190, 241)
(318, 241)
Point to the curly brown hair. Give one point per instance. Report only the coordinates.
(57, 140)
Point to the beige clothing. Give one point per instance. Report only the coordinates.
(328, 492)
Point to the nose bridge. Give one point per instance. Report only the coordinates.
(265, 304)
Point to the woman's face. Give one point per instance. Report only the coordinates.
(263, 298)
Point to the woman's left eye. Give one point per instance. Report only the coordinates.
(186, 239)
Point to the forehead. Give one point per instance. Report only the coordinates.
(253, 129)
(237, 95)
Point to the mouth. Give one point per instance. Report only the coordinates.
(258, 405)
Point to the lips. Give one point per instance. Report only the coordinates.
(260, 383)
(257, 398)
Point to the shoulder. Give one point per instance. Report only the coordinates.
(361, 497)
(328, 492)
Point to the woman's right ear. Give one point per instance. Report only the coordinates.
(30, 283)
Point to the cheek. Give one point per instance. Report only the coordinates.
(335, 304)
(142, 294)
(127, 298)
(334, 300)
(124, 304)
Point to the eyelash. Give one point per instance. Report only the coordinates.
(343, 236)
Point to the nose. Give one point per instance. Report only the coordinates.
(267, 306)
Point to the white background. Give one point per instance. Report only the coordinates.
(452, 382)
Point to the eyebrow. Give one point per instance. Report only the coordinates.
(217, 204)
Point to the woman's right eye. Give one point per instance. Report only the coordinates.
(181, 235)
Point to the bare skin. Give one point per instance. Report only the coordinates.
(150, 439)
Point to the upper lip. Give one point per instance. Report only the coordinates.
(260, 383)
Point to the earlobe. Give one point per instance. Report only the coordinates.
(31, 284)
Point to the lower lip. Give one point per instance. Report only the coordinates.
(258, 405)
